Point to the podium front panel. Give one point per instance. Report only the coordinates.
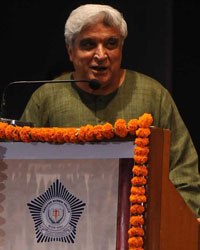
(63, 196)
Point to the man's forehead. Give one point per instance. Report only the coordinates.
(98, 36)
(93, 38)
(94, 29)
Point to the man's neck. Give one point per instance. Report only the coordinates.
(104, 90)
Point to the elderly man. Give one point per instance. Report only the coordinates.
(94, 36)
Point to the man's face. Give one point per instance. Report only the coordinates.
(97, 53)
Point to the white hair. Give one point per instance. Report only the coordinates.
(91, 14)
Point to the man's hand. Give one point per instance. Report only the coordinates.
(198, 220)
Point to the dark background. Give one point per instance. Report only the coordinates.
(163, 42)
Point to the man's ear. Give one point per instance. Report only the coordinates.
(69, 51)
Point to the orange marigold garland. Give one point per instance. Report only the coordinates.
(83, 134)
(138, 192)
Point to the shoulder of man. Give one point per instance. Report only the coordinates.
(48, 86)
(144, 81)
(64, 76)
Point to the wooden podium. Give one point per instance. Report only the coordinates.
(170, 224)
(96, 176)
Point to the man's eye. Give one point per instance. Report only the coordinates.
(112, 43)
(87, 44)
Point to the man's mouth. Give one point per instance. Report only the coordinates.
(98, 68)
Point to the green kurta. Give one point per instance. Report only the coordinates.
(65, 105)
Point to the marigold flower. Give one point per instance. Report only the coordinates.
(3, 126)
(136, 220)
(51, 135)
(66, 135)
(138, 190)
(135, 248)
(138, 198)
(141, 142)
(89, 133)
(34, 133)
(137, 209)
(132, 126)
(145, 120)
(136, 231)
(136, 241)
(16, 133)
(143, 132)
(42, 134)
(140, 170)
(25, 134)
(98, 132)
(81, 134)
(12, 132)
(71, 135)
(56, 135)
(47, 134)
(8, 131)
(141, 150)
(120, 128)
(108, 131)
(140, 159)
(138, 180)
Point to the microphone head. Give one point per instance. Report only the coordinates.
(94, 84)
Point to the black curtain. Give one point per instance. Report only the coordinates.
(162, 43)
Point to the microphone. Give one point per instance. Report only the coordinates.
(93, 84)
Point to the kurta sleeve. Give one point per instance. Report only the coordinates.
(183, 157)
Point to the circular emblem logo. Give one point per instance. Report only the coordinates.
(56, 215)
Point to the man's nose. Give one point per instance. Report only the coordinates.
(100, 53)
